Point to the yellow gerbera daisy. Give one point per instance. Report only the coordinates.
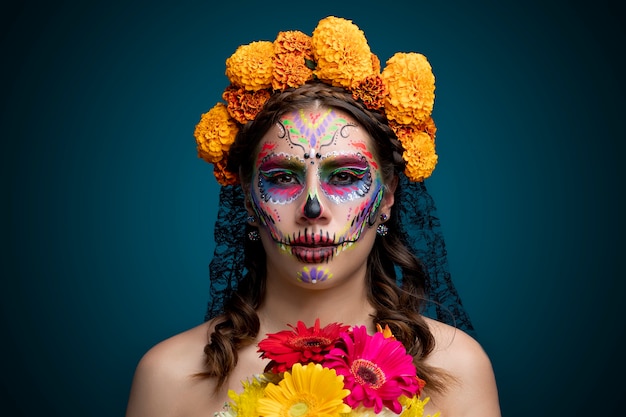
(306, 391)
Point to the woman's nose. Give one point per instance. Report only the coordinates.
(312, 208)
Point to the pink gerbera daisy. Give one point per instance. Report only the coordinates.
(300, 345)
(377, 370)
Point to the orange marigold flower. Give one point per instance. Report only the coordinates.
(411, 84)
(293, 42)
(290, 70)
(375, 64)
(419, 154)
(292, 49)
(341, 52)
(429, 127)
(222, 175)
(244, 105)
(250, 66)
(214, 133)
(402, 131)
(371, 90)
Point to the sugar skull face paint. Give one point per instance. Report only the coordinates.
(317, 189)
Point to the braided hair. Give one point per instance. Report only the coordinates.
(396, 279)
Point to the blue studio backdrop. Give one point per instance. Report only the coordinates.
(108, 212)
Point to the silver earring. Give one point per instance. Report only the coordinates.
(253, 235)
(382, 230)
(383, 217)
(250, 218)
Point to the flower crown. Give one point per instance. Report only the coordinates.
(337, 54)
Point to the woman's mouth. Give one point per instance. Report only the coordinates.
(313, 254)
(313, 248)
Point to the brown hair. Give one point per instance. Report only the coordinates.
(396, 305)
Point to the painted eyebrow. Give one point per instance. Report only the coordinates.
(273, 162)
(338, 161)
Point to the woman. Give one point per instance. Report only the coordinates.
(325, 148)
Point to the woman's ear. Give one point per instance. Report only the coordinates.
(388, 198)
(247, 201)
(247, 198)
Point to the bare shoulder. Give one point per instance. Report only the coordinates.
(455, 350)
(461, 356)
(178, 353)
(165, 377)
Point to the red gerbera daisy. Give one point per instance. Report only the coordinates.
(377, 370)
(302, 345)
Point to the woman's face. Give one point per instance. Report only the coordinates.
(317, 191)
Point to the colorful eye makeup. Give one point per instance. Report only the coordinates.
(281, 178)
(345, 177)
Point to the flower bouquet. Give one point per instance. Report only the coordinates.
(336, 370)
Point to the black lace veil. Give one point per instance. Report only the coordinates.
(423, 235)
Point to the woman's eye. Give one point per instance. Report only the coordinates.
(283, 178)
(343, 178)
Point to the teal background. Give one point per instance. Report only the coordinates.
(108, 213)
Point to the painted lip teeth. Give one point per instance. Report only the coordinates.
(313, 254)
(312, 241)
(307, 238)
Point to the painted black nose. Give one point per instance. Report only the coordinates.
(312, 208)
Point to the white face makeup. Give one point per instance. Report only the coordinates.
(317, 190)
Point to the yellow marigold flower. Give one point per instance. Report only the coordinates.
(214, 133)
(223, 176)
(371, 90)
(341, 52)
(306, 391)
(244, 404)
(411, 84)
(244, 105)
(250, 66)
(419, 154)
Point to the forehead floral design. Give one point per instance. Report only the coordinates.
(337, 53)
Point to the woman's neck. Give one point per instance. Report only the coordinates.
(287, 304)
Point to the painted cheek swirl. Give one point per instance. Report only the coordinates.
(365, 216)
